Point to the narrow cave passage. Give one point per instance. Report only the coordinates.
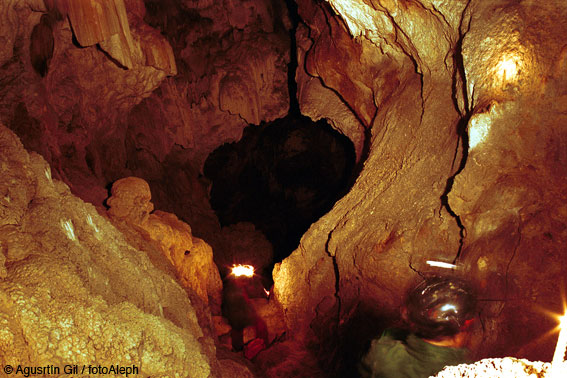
(281, 176)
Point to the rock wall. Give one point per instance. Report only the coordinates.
(511, 193)
(232, 59)
(91, 77)
(75, 290)
(463, 107)
(116, 88)
(455, 108)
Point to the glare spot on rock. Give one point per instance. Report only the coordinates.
(67, 227)
(507, 68)
(93, 225)
(482, 263)
(479, 128)
(358, 17)
(48, 174)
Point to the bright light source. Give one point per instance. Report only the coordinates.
(557, 365)
(441, 264)
(448, 306)
(243, 270)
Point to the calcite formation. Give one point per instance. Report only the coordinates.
(107, 24)
(499, 368)
(75, 291)
(233, 61)
(86, 89)
(191, 257)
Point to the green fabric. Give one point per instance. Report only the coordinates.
(397, 354)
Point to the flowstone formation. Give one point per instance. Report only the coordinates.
(232, 59)
(74, 290)
(462, 105)
(191, 257)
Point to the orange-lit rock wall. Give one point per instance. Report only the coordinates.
(75, 91)
(73, 79)
(76, 290)
(464, 105)
(456, 110)
(111, 88)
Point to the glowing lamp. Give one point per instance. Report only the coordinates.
(557, 364)
(243, 270)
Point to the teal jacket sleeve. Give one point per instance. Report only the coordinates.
(384, 357)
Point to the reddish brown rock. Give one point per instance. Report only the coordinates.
(510, 195)
(455, 108)
(505, 207)
(411, 116)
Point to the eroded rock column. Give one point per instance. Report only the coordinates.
(464, 160)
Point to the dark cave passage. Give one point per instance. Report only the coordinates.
(282, 177)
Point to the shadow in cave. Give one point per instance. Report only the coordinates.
(281, 176)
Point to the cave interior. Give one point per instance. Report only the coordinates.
(340, 147)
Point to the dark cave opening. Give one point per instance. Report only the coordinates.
(281, 176)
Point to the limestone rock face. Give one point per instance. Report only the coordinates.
(395, 215)
(80, 93)
(511, 193)
(464, 164)
(74, 90)
(81, 293)
(317, 101)
(232, 59)
(191, 257)
(85, 112)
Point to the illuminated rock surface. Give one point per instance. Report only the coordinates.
(191, 257)
(456, 110)
(498, 368)
(417, 76)
(80, 293)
